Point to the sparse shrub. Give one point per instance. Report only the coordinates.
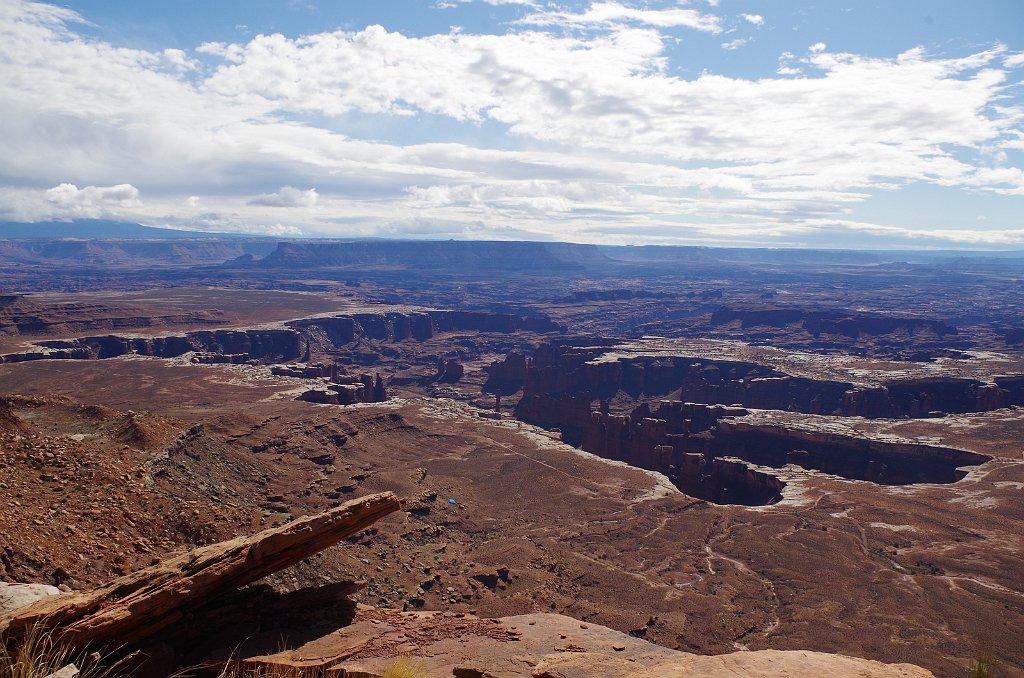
(983, 666)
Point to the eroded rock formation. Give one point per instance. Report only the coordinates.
(9, 421)
(561, 371)
(290, 343)
(837, 322)
(345, 389)
(687, 442)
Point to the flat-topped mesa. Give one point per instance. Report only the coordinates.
(293, 342)
(138, 605)
(468, 257)
(561, 371)
(240, 345)
(916, 398)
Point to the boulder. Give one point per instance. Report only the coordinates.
(16, 596)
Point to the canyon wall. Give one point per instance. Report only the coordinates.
(843, 323)
(290, 343)
(666, 438)
(561, 370)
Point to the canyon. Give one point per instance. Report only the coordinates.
(714, 451)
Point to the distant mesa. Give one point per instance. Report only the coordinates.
(451, 255)
(98, 228)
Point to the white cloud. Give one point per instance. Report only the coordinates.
(612, 145)
(287, 197)
(68, 201)
(179, 59)
(92, 201)
(755, 19)
(1014, 60)
(448, 4)
(735, 44)
(609, 14)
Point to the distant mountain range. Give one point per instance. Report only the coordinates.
(81, 241)
(98, 228)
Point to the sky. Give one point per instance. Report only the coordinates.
(765, 123)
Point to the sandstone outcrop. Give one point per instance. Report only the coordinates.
(758, 664)
(347, 389)
(139, 605)
(9, 421)
(23, 315)
(266, 345)
(294, 342)
(561, 370)
(538, 646)
(449, 371)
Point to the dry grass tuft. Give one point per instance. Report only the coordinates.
(401, 667)
(404, 667)
(37, 654)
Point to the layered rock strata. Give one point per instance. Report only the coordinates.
(564, 372)
(687, 442)
(289, 343)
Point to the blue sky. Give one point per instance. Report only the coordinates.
(736, 122)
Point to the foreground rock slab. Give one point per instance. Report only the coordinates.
(540, 645)
(138, 605)
(758, 664)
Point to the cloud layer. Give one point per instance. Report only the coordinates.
(567, 125)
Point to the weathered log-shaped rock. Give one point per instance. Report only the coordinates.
(140, 604)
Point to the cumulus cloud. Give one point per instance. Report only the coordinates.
(67, 201)
(603, 141)
(287, 197)
(755, 19)
(91, 201)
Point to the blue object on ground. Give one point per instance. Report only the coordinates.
(451, 502)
